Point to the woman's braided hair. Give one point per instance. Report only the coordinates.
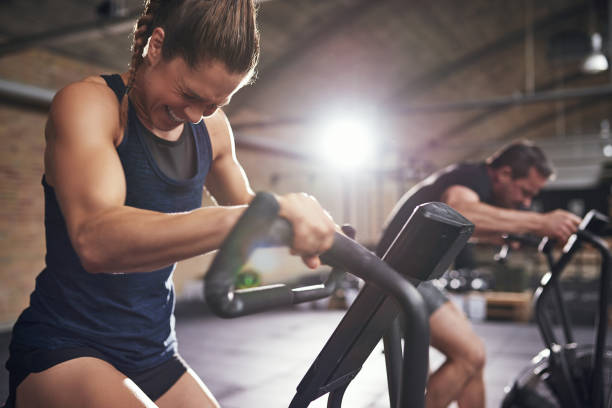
(198, 31)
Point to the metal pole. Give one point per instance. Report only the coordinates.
(529, 49)
(22, 94)
(609, 56)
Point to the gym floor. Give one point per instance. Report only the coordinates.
(257, 361)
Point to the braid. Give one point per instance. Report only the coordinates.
(141, 33)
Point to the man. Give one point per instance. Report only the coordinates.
(493, 195)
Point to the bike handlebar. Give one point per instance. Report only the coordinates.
(437, 235)
(590, 227)
(259, 226)
(593, 221)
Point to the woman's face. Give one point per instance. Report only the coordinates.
(174, 93)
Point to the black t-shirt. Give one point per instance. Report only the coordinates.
(471, 175)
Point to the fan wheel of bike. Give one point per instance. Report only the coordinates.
(534, 388)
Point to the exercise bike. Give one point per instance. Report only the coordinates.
(565, 374)
(424, 248)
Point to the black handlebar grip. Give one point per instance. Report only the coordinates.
(349, 231)
(593, 222)
(259, 226)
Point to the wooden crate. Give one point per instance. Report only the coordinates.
(515, 306)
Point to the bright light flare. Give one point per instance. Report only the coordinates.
(347, 143)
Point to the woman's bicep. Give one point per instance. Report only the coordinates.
(82, 162)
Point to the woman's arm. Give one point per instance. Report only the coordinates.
(313, 227)
(226, 181)
(83, 166)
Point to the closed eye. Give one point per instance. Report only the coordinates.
(191, 98)
(528, 193)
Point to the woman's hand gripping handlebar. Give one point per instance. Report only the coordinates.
(260, 226)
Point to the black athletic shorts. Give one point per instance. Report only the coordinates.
(154, 382)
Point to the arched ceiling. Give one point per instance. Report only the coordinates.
(449, 80)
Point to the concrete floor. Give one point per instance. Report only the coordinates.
(257, 361)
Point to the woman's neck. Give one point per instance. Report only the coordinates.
(137, 99)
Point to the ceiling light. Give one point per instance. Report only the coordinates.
(346, 143)
(596, 61)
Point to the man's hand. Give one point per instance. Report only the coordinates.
(559, 225)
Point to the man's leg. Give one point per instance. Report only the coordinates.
(460, 378)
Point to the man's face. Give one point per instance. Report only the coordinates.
(516, 193)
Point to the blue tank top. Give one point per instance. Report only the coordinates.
(127, 316)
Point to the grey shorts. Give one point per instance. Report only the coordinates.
(432, 295)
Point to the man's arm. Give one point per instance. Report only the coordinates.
(491, 220)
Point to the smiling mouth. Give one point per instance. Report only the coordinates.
(173, 116)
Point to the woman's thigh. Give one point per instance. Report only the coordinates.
(188, 392)
(80, 382)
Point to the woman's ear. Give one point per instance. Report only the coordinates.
(153, 50)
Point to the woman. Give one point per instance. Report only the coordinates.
(126, 161)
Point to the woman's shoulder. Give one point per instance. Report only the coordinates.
(88, 94)
(88, 100)
(220, 133)
(217, 123)
(92, 89)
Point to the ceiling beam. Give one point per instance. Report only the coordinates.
(435, 75)
(476, 104)
(460, 128)
(546, 118)
(517, 131)
(508, 101)
(90, 30)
